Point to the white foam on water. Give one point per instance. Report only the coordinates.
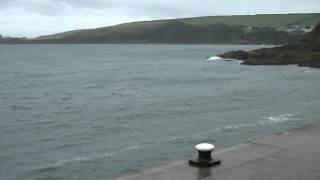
(239, 61)
(214, 58)
(217, 58)
(237, 126)
(272, 120)
(76, 159)
(130, 148)
(184, 137)
(63, 162)
(264, 121)
(277, 119)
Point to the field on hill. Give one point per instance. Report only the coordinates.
(259, 20)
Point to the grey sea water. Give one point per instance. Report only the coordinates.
(78, 112)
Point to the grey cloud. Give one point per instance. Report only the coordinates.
(93, 4)
(7, 3)
(150, 7)
(154, 8)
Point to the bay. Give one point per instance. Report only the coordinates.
(100, 111)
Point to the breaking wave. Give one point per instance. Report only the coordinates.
(214, 58)
(272, 120)
(264, 121)
(277, 119)
(237, 126)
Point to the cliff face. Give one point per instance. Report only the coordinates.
(304, 53)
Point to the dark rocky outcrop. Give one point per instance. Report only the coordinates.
(303, 53)
(241, 55)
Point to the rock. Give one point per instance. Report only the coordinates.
(241, 55)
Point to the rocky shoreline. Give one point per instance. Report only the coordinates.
(305, 53)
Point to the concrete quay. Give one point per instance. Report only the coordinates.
(292, 155)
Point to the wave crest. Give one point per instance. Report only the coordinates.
(214, 58)
(277, 119)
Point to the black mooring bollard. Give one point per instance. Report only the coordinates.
(204, 156)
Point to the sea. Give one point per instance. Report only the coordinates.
(90, 111)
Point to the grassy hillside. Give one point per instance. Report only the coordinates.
(260, 20)
(172, 32)
(210, 29)
(126, 28)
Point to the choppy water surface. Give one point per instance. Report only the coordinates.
(99, 111)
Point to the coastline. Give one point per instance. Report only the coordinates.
(305, 53)
(301, 55)
(143, 43)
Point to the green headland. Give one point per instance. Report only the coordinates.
(235, 29)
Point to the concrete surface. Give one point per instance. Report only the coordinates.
(293, 155)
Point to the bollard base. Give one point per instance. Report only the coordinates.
(201, 163)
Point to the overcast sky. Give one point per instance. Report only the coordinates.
(32, 18)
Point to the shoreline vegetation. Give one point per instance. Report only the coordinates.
(234, 29)
(303, 53)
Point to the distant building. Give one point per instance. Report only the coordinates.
(296, 29)
(247, 29)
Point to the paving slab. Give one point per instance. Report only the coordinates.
(291, 155)
(293, 138)
(270, 168)
(309, 153)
